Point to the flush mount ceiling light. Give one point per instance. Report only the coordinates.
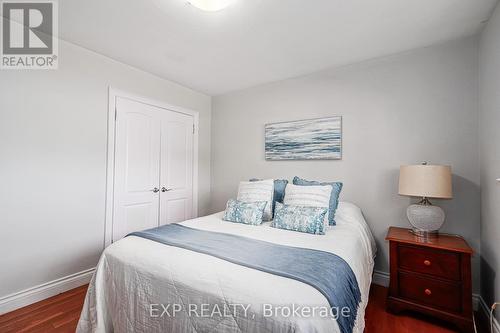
(210, 5)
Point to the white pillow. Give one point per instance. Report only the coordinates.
(309, 196)
(262, 190)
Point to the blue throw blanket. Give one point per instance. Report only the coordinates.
(327, 272)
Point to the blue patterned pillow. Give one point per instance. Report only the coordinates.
(300, 218)
(244, 212)
(334, 197)
(279, 190)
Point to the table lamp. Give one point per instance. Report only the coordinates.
(425, 181)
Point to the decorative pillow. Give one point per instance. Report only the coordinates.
(261, 190)
(308, 196)
(334, 197)
(300, 218)
(244, 212)
(279, 190)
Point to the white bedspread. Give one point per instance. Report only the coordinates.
(136, 279)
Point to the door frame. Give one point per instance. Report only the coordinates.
(113, 94)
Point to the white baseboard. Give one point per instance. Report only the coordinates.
(381, 278)
(43, 291)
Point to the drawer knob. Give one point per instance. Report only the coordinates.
(428, 292)
(427, 262)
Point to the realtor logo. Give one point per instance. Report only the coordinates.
(29, 35)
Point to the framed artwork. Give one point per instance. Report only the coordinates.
(311, 139)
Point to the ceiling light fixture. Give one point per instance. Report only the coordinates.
(210, 5)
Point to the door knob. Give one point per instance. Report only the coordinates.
(164, 189)
(156, 190)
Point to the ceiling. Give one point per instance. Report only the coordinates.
(258, 41)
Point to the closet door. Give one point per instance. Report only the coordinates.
(176, 175)
(137, 167)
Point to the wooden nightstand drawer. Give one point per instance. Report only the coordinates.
(439, 263)
(431, 276)
(437, 294)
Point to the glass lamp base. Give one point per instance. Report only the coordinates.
(425, 218)
(424, 234)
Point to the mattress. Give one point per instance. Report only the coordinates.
(144, 286)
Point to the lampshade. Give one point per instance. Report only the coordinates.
(430, 181)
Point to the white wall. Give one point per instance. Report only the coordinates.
(408, 108)
(490, 159)
(53, 127)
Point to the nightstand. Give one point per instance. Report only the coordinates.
(431, 276)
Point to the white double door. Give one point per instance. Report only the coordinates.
(153, 178)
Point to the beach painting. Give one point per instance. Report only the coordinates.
(311, 139)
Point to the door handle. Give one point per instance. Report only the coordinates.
(156, 190)
(164, 189)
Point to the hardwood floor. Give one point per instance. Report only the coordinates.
(60, 314)
(56, 314)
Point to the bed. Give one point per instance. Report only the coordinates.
(144, 286)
